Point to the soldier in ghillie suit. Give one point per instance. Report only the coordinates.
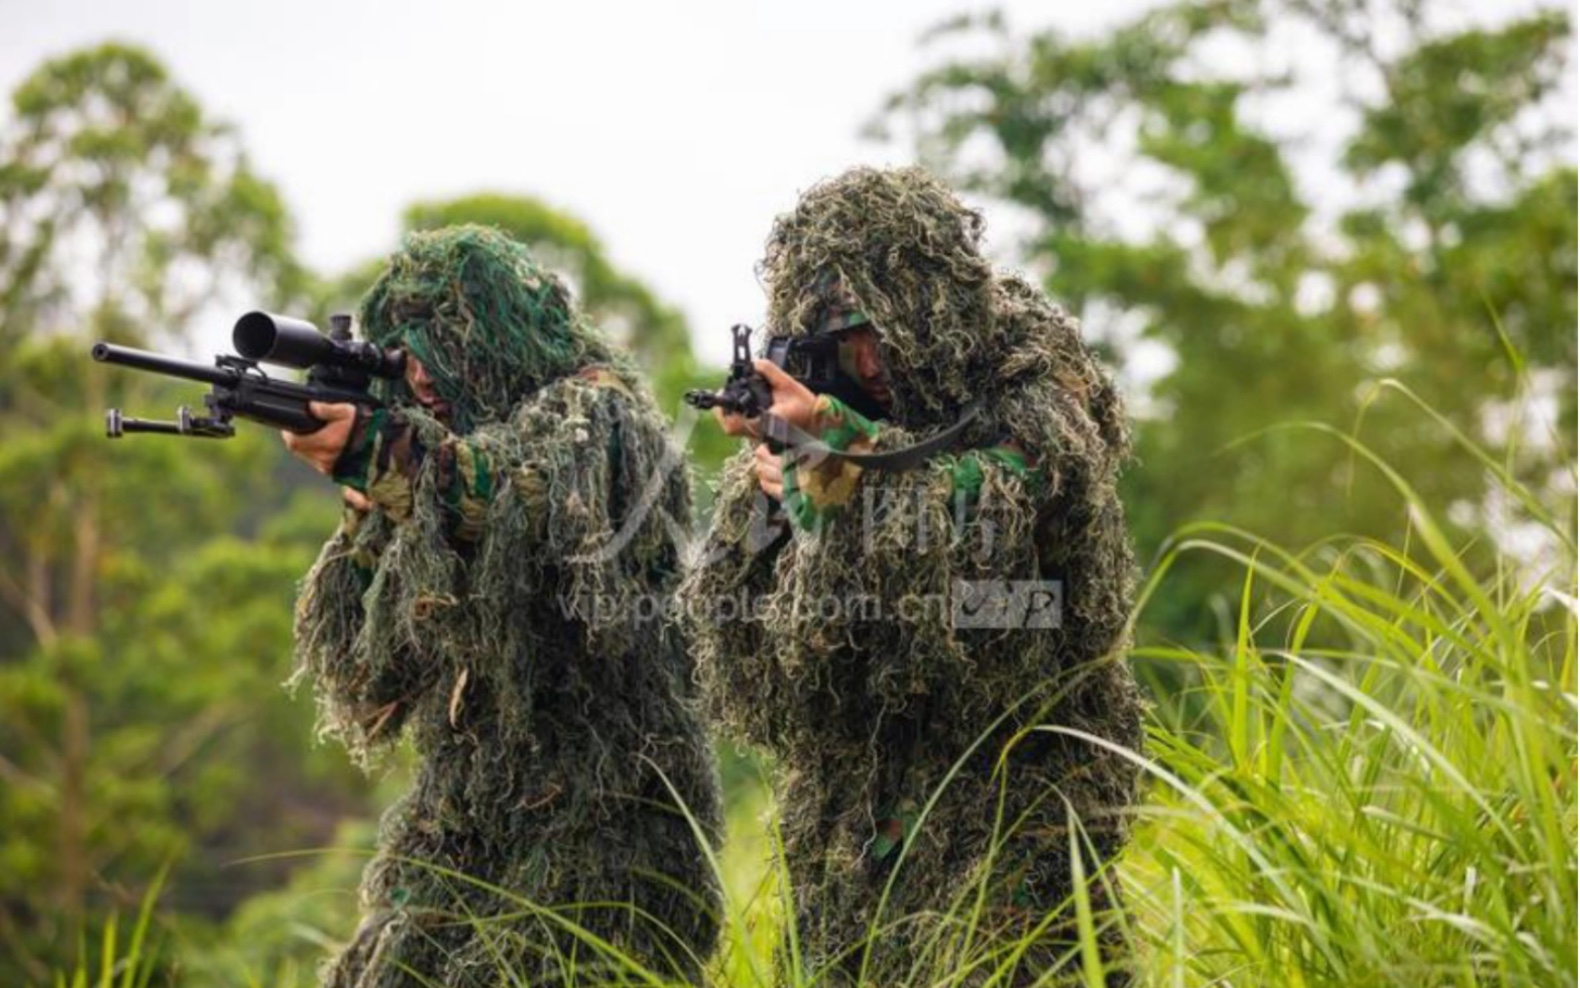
(932, 773)
(496, 589)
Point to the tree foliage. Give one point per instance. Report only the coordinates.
(143, 631)
(120, 200)
(1182, 186)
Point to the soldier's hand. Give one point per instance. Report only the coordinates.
(793, 401)
(357, 500)
(321, 449)
(734, 423)
(770, 468)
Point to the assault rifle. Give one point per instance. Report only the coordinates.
(339, 369)
(745, 392)
(812, 360)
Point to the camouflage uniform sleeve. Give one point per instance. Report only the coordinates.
(815, 493)
(381, 461)
(968, 471)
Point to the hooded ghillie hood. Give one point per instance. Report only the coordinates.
(903, 251)
(485, 319)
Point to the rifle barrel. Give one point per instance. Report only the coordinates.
(110, 353)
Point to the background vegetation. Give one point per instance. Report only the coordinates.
(1359, 632)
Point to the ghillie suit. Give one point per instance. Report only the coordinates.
(499, 604)
(832, 642)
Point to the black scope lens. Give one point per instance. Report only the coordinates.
(280, 340)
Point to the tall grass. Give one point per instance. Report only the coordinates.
(1375, 784)
(1393, 807)
(134, 962)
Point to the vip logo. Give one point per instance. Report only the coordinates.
(1007, 603)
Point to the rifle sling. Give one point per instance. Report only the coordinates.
(809, 449)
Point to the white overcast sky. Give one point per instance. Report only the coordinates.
(677, 131)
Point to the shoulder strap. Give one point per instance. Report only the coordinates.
(807, 447)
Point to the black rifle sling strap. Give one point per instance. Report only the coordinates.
(807, 448)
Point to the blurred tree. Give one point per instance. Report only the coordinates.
(1182, 185)
(141, 641)
(280, 937)
(121, 202)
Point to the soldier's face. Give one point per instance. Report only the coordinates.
(862, 359)
(422, 388)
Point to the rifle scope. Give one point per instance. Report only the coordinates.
(297, 343)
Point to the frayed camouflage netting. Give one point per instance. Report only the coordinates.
(515, 641)
(808, 646)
